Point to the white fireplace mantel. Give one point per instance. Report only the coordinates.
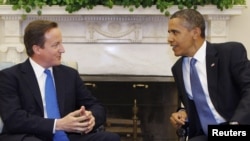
(110, 41)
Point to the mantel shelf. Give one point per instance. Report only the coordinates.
(119, 10)
(126, 78)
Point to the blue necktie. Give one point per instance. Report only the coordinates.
(52, 106)
(204, 112)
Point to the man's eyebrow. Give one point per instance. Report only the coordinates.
(173, 30)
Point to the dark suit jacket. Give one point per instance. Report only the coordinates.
(21, 106)
(228, 78)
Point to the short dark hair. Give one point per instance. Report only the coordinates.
(34, 34)
(192, 18)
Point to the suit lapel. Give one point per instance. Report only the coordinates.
(212, 71)
(179, 77)
(28, 76)
(60, 87)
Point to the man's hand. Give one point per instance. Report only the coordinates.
(89, 120)
(178, 119)
(79, 121)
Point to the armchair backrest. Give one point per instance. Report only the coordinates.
(72, 64)
(4, 65)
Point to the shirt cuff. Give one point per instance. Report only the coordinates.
(54, 127)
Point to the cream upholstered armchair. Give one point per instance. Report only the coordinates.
(72, 64)
(4, 65)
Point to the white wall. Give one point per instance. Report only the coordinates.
(240, 28)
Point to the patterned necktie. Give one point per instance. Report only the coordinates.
(204, 112)
(52, 106)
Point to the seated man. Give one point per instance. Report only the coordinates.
(27, 106)
(212, 78)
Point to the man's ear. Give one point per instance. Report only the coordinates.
(36, 49)
(196, 32)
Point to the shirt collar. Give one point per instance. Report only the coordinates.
(200, 55)
(38, 69)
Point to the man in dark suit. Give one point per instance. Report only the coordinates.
(22, 94)
(223, 69)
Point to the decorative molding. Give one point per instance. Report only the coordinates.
(114, 30)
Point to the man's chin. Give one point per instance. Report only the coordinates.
(177, 54)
